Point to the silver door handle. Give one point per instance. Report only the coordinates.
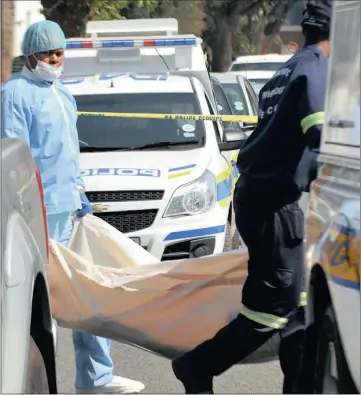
(341, 123)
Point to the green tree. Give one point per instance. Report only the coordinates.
(250, 38)
(160, 9)
(72, 15)
(190, 15)
(223, 18)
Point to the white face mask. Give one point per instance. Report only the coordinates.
(47, 72)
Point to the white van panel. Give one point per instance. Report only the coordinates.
(341, 135)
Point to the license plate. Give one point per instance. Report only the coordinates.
(135, 239)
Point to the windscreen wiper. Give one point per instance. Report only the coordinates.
(90, 148)
(158, 144)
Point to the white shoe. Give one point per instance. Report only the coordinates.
(118, 385)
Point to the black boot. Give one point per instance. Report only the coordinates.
(191, 383)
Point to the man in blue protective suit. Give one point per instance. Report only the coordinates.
(275, 164)
(38, 108)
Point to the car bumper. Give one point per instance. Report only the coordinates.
(184, 237)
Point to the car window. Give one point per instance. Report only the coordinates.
(103, 132)
(258, 83)
(226, 108)
(250, 89)
(221, 99)
(236, 98)
(252, 97)
(262, 66)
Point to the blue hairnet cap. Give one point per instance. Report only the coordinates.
(317, 14)
(43, 36)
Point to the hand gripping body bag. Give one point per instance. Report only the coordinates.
(105, 284)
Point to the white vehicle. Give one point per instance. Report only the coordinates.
(240, 95)
(140, 46)
(258, 79)
(269, 62)
(239, 92)
(27, 333)
(332, 357)
(167, 184)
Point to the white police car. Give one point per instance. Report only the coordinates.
(164, 183)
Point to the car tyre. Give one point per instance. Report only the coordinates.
(37, 379)
(332, 375)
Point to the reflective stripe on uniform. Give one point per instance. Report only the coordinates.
(269, 320)
(317, 118)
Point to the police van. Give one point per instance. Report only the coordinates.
(332, 357)
(166, 183)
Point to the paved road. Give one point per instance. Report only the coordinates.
(155, 372)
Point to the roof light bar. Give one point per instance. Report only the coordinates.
(135, 43)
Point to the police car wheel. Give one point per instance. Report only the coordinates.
(228, 244)
(332, 375)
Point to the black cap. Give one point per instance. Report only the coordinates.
(317, 14)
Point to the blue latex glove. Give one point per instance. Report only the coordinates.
(86, 208)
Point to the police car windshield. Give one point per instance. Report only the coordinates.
(236, 98)
(259, 66)
(258, 83)
(112, 132)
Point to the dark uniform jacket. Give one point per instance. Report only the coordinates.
(277, 158)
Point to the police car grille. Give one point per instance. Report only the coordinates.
(124, 196)
(129, 221)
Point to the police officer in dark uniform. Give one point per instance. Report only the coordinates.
(275, 165)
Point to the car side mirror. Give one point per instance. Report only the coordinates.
(233, 139)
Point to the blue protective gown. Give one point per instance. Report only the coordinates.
(45, 115)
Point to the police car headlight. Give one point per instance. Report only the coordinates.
(194, 198)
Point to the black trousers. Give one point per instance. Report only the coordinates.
(274, 237)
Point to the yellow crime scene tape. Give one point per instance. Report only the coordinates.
(185, 117)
